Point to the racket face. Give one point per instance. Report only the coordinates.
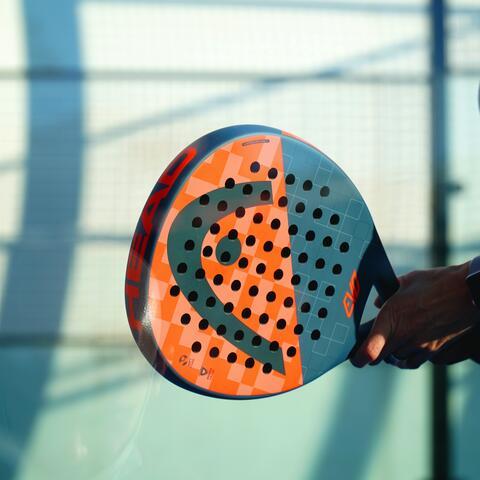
(250, 265)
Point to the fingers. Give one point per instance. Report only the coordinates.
(415, 360)
(407, 351)
(373, 348)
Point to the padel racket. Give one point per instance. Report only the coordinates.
(251, 265)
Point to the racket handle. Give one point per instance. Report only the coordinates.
(385, 282)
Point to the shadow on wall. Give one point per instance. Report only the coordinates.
(40, 260)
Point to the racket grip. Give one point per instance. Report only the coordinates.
(385, 281)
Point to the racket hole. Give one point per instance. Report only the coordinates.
(322, 312)
(196, 347)
(236, 284)
(246, 313)
(174, 290)
(210, 302)
(327, 241)
(298, 329)
(285, 253)
(200, 274)
(300, 207)
(249, 362)
(240, 212)
(222, 206)
(267, 368)
(307, 185)
(337, 269)
(232, 357)
(292, 229)
(247, 189)
(290, 179)
(288, 302)
(325, 191)
(344, 247)
(232, 234)
(189, 245)
(317, 213)
(228, 307)
(312, 285)
(310, 236)
(268, 246)
(257, 218)
(272, 173)
(320, 263)
(278, 274)
(229, 183)
(238, 335)
(274, 346)
(283, 201)
(254, 167)
(263, 318)
(281, 324)
(214, 352)
(182, 267)
(260, 268)
(334, 219)
(256, 341)
(305, 308)
(265, 196)
(221, 330)
(291, 351)
(203, 324)
(315, 335)
(197, 222)
(295, 279)
(253, 291)
(250, 241)
(204, 199)
(271, 296)
(207, 251)
(275, 225)
(330, 291)
(218, 279)
(214, 228)
(185, 319)
(303, 257)
(243, 262)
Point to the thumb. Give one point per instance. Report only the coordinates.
(373, 348)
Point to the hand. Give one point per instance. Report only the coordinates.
(430, 311)
(464, 347)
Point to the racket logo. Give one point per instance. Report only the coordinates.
(142, 239)
(350, 297)
(185, 264)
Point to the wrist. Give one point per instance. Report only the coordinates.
(472, 280)
(458, 287)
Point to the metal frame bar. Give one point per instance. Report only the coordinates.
(439, 242)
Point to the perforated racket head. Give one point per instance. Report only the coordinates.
(251, 265)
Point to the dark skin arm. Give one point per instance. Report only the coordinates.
(430, 317)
